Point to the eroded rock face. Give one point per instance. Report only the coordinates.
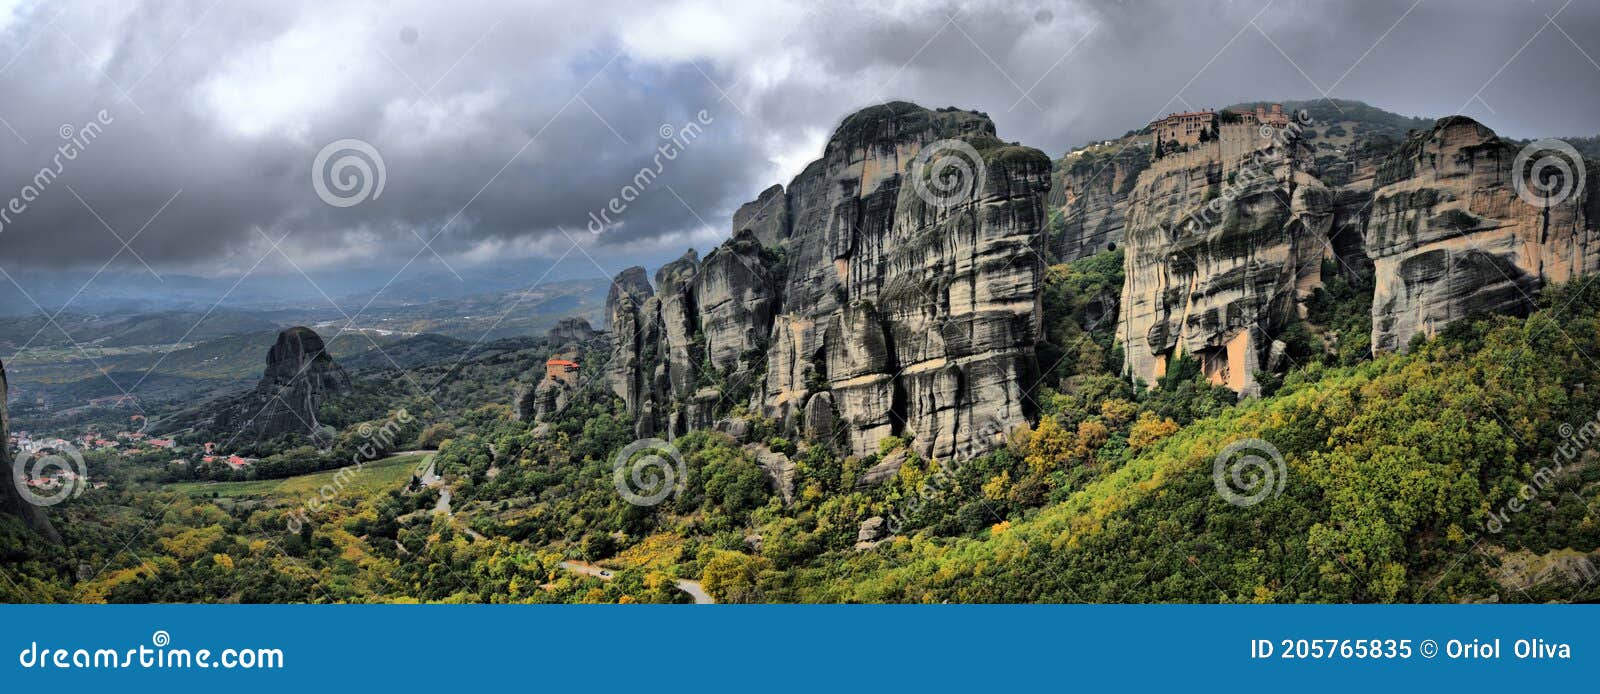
(1223, 243)
(538, 402)
(299, 377)
(703, 325)
(11, 500)
(631, 319)
(914, 309)
(678, 313)
(917, 312)
(767, 217)
(1091, 193)
(736, 297)
(1449, 236)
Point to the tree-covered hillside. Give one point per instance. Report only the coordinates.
(1456, 472)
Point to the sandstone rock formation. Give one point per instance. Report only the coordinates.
(1220, 259)
(767, 216)
(736, 297)
(778, 469)
(1223, 242)
(299, 377)
(1090, 192)
(1449, 236)
(906, 297)
(631, 317)
(573, 329)
(551, 393)
(11, 500)
(916, 310)
(871, 532)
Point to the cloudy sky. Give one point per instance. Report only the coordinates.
(502, 125)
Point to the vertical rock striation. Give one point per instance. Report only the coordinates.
(1223, 242)
(1449, 236)
(1091, 194)
(916, 311)
(865, 299)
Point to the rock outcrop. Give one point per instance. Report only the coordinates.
(11, 499)
(1221, 257)
(736, 298)
(299, 377)
(1090, 192)
(916, 308)
(1449, 235)
(552, 392)
(1224, 241)
(767, 217)
(897, 279)
(573, 329)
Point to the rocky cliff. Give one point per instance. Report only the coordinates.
(875, 296)
(11, 500)
(1223, 242)
(1449, 235)
(891, 289)
(1226, 241)
(299, 377)
(1089, 191)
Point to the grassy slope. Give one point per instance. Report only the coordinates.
(375, 477)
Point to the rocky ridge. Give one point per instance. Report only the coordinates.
(1449, 234)
(854, 304)
(1226, 241)
(851, 305)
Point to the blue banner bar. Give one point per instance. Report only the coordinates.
(793, 648)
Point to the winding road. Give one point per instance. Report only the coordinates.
(431, 479)
(693, 588)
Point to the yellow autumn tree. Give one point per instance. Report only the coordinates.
(1092, 434)
(1117, 412)
(1149, 429)
(998, 486)
(732, 576)
(1049, 447)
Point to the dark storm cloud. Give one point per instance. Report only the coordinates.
(502, 127)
